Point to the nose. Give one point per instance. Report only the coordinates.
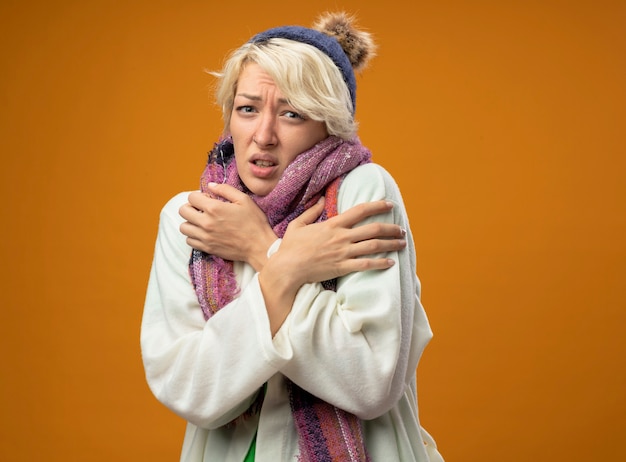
(265, 132)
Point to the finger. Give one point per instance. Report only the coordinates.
(360, 212)
(199, 205)
(197, 244)
(187, 211)
(311, 214)
(190, 213)
(364, 264)
(199, 200)
(373, 247)
(192, 230)
(228, 192)
(376, 230)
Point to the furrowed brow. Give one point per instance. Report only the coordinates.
(258, 98)
(250, 97)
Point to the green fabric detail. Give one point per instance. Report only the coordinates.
(250, 456)
(252, 451)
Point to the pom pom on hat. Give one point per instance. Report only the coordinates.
(358, 45)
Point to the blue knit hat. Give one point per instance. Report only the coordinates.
(334, 35)
(325, 43)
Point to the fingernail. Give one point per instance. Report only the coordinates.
(212, 183)
(403, 232)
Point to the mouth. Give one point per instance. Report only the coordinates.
(263, 168)
(263, 163)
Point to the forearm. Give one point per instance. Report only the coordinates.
(257, 254)
(206, 371)
(279, 287)
(350, 346)
(367, 335)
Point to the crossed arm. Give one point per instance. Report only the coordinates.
(310, 252)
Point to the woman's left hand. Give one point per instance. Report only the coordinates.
(236, 230)
(314, 252)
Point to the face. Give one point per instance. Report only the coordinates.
(267, 132)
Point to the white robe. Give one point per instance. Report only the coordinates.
(356, 348)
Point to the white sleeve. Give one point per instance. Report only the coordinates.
(358, 348)
(206, 372)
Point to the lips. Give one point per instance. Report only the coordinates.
(263, 167)
(263, 163)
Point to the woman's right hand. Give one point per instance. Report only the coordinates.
(235, 229)
(315, 252)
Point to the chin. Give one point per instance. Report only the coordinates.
(260, 190)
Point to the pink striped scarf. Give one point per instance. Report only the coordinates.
(326, 433)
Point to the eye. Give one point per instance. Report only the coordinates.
(293, 115)
(244, 109)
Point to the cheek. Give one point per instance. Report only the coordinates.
(239, 153)
(237, 129)
(319, 133)
(239, 159)
(310, 138)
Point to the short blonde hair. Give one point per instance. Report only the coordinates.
(307, 77)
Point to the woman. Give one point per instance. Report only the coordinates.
(282, 318)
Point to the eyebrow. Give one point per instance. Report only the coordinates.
(258, 98)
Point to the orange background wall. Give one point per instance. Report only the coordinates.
(503, 123)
